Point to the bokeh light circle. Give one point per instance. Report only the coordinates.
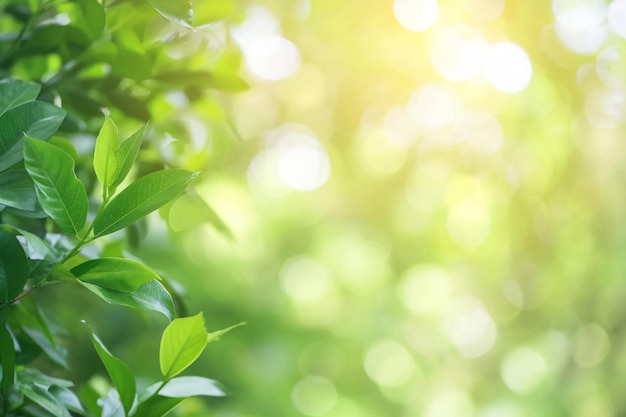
(507, 67)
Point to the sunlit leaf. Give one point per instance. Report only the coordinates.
(126, 155)
(181, 344)
(15, 92)
(216, 335)
(93, 17)
(190, 210)
(150, 296)
(104, 160)
(61, 195)
(179, 11)
(119, 274)
(35, 119)
(13, 267)
(190, 386)
(142, 197)
(120, 374)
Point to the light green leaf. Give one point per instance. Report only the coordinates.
(140, 198)
(179, 11)
(126, 155)
(67, 398)
(190, 210)
(13, 267)
(154, 405)
(118, 274)
(35, 119)
(191, 386)
(150, 296)
(15, 92)
(104, 161)
(120, 374)
(61, 195)
(93, 18)
(181, 344)
(17, 190)
(215, 336)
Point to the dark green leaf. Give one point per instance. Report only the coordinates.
(190, 386)
(119, 372)
(150, 296)
(126, 155)
(152, 404)
(181, 344)
(61, 195)
(15, 92)
(142, 197)
(13, 267)
(36, 119)
(104, 160)
(7, 356)
(17, 190)
(179, 11)
(118, 274)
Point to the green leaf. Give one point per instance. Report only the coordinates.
(181, 344)
(119, 372)
(36, 119)
(61, 195)
(67, 398)
(150, 296)
(118, 274)
(56, 354)
(215, 336)
(179, 11)
(190, 210)
(17, 190)
(43, 389)
(45, 400)
(7, 356)
(13, 267)
(126, 155)
(191, 386)
(140, 198)
(93, 18)
(156, 405)
(104, 160)
(16, 92)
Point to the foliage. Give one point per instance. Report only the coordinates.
(62, 210)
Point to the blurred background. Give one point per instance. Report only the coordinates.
(421, 209)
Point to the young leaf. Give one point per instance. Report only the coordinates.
(179, 11)
(36, 119)
(13, 267)
(150, 296)
(191, 386)
(61, 195)
(181, 344)
(126, 155)
(118, 274)
(16, 92)
(143, 196)
(190, 210)
(104, 161)
(120, 374)
(215, 336)
(17, 190)
(7, 356)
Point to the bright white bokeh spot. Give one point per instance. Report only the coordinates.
(314, 395)
(432, 106)
(457, 52)
(452, 403)
(388, 363)
(484, 10)
(305, 280)
(470, 327)
(293, 159)
(267, 55)
(424, 289)
(617, 17)
(507, 67)
(416, 15)
(581, 24)
(523, 370)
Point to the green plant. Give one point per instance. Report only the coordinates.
(61, 62)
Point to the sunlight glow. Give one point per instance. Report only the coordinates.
(523, 370)
(452, 403)
(433, 106)
(416, 15)
(314, 395)
(389, 363)
(305, 280)
(507, 67)
(617, 17)
(591, 344)
(581, 25)
(470, 327)
(457, 51)
(424, 289)
(483, 10)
